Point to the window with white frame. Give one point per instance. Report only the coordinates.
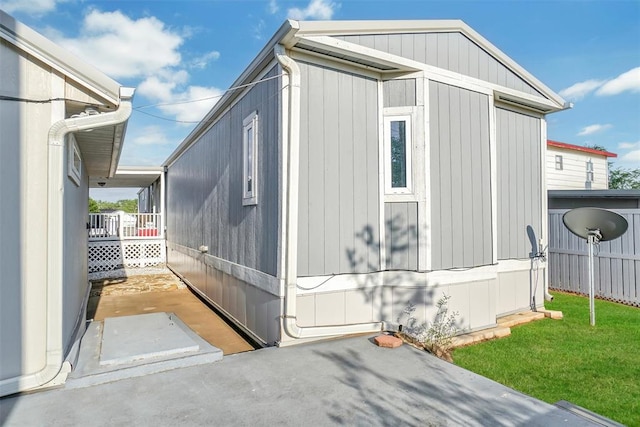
(558, 162)
(250, 160)
(74, 161)
(589, 167)
(397, 149)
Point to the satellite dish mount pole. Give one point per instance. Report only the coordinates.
(595, 225)
(593, 238)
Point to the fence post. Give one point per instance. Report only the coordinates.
(120, 225)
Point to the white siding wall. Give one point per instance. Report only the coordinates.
(574, 172)
(23, 191)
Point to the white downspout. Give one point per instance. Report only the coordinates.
(291, 137)
(55, 240)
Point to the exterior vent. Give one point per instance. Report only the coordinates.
(523, 104)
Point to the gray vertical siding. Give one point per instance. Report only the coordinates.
(616, 266)
(451, 51)
(460, 177)
(399, 93)
(204, 187)
(254, 308)
(401, 235)
(338, 182)
(519, 182)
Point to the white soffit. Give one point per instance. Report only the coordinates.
(129, 177)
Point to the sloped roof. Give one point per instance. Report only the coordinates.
(58, 58)
(564, 145)
(315, 33)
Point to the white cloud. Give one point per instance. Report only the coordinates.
(151, 135)
(631, 157)
(202, 61)
(580, 90)
(316, 9)
(148, 51)
(123, 47)
(35, 7)
(591, 129)
(273, 7)
(258, 30)
(188, 104)
(628, 81)
(628, 145)
(201, 100)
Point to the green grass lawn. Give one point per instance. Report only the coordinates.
(597, 367)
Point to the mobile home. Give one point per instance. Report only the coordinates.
(356, 168)
(50, 101)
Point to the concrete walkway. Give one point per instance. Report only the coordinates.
(349, 381)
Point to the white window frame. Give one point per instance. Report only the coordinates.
(408, 119)
(73, 152)
(559, 162)
(250, 172)
(589, 167)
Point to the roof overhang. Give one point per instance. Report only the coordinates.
(128, 177)
(565, 146)
(100, 147)
(58, 58)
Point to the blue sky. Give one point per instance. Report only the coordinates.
(174, 51)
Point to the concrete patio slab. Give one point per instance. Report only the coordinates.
(339, 382)
(134, 346)
(143, 336)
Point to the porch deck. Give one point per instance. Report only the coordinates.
(163, 293)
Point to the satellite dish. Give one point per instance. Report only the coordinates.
(596, 225)
(585, 221)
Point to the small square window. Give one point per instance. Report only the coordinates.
(250, 160)
(74, 161)
(558, 162)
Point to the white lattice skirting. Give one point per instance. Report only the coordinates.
(112, 255)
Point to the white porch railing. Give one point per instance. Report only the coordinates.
(125, 226)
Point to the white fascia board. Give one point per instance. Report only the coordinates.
(362, 52)
(139, 170)
(58, 58)
(333, 28)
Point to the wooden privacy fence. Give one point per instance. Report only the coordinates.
(617, 262)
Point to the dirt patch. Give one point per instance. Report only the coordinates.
(136, 285)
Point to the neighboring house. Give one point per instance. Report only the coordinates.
(363, 167)
(573, 167)
(48, 99)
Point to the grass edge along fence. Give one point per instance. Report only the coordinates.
(595, 367)
(617, 262)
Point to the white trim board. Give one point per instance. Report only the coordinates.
(248, 275)
(399, 278)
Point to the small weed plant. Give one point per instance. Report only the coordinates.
(437, 336)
